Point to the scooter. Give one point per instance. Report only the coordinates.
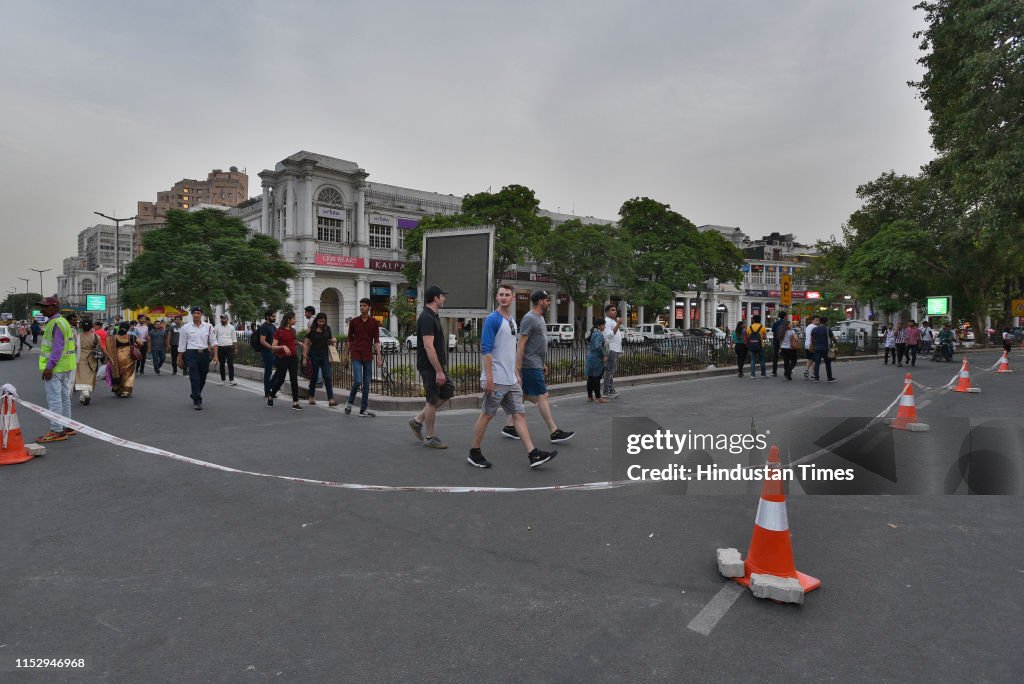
(943, 351)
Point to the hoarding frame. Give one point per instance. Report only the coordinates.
(439, 280)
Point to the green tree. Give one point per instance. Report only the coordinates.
(208, 258)
(519, 229)
(19, 304)
(973, 88)
(667, 254)
(405, 311)
(580, 257)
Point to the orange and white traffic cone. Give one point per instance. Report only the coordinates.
(906, 416)
(1004, 364)
(12, 446)
(963, 383)
(771, 550)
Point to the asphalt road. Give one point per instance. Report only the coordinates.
(154, 570)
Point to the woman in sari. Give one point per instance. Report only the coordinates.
(88, 362)
(120, 362)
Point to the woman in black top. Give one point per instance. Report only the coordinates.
(318, 339)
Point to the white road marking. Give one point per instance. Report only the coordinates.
(716, 609)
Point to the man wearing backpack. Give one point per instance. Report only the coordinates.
(776, 341)
(755, 335)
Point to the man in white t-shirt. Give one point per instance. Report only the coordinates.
(612, 333)
(808, 346)
(500, 381)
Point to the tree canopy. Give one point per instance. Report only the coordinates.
(667, 254)
(958, 226)
(581, 258)
(19, 304)
(207, 258)
(513, 211)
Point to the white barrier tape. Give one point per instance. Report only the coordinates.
(945, 388)
(111, 439)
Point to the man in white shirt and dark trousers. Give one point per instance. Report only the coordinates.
(225, 333)
(612, 333)
(500, 382)
(195, 339)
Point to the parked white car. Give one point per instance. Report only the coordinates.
(388, 342)
(411, 342)
(8, 339)
(561, 334)
(652, 332)
(632, 336)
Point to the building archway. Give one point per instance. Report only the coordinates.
(330, 304)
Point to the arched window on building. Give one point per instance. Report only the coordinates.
(87, 286)
(330, 217)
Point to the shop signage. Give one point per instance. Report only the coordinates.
(339, 260)
(331, 212)
(386, 265)
(381, 220)
(380, 291)
(528, 276)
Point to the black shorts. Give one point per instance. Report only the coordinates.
(429, 378)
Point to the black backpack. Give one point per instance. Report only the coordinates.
(754, 339)
(254, 342)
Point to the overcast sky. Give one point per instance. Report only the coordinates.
(763, 115)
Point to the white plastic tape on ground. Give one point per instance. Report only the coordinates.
(111, 439)
(945, 388)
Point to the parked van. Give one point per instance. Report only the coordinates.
(653, 332)
(561, 334)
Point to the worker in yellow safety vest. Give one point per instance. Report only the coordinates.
(57, 359)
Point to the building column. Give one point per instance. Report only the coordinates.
(553, 309)
(265, 210)
(289, 210)
(639, 315)
(572, 311)
(361, 236)
(307, 206)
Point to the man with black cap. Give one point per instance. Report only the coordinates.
(531, 366)
(195, 339)
(431, 361)
(57, 361)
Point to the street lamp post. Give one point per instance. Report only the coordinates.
(24, 304)
(117, 254)
(41, 272)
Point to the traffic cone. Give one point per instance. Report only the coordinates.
(1004, 364)
(906, 416)
(963, 384)
(12, 446)
(771, 551)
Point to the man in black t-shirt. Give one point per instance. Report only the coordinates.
(431, 360)
(266, 341)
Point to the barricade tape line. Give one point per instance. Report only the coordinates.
(118, 441)
(857, 433)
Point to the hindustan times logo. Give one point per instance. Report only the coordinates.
(676, 443)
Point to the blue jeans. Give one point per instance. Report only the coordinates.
(755, 356)
(198, 363)
(58, 396)
(819, 355)
(322, 367)
(362, 372)
(158, 359)
(268, 371)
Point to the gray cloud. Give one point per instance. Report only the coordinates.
(763, 115)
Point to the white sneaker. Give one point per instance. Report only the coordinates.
(232, 383)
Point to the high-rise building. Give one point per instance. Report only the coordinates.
(221, 188)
